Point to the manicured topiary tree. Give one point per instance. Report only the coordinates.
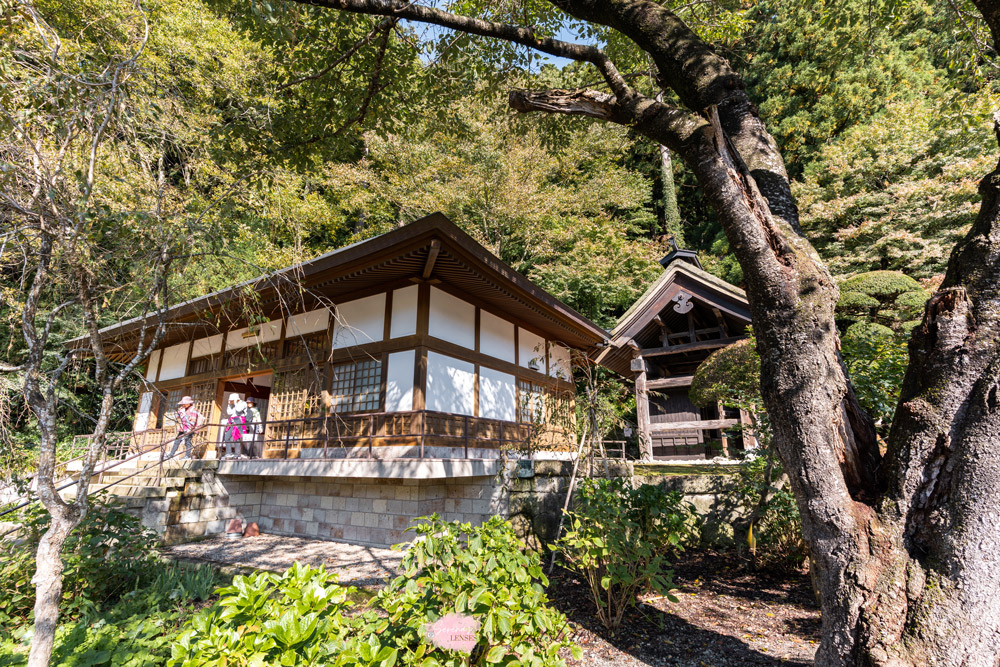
(888, 298)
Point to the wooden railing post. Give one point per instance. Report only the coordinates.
(371, 436)
(423, 431)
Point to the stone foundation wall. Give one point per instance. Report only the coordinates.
(373, 512)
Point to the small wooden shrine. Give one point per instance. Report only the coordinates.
(682, 318)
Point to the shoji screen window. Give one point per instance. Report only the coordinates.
(357, 386)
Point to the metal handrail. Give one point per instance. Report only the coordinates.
(72, 482)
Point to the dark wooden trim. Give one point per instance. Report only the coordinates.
(475, 391)
(187, 362)
(423, 308)
(159, 363)
(432, 256)
(690, 347)
(478, 327)
(420, 378)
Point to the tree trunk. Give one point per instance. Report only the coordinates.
(48, 588)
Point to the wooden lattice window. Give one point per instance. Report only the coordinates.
(293, 412)
(204, 364)
(531, 402)
(317, 344)
(357, 386)
(168, 407)
(251, 356)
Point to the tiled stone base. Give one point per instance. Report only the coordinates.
(372, 512)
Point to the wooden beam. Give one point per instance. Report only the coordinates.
(701, 425)
(670, 382)
(432, 256)
(722, 321)
(690, 347)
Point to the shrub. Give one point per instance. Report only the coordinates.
(295, 618)
(483, 572)
(619, 539)
(299, 618)
(108, 554)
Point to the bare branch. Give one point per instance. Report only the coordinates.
(510, 33)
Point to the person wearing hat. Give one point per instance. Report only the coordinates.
(255, 427)
(236, 426)
(189, 420)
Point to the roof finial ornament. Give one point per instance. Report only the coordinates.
(678, 253)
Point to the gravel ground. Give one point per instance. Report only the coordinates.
(727, 615)
(357, 565)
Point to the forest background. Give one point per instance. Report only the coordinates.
(272, 136)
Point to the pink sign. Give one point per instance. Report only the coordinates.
(455, 632)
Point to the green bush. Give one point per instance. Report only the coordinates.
(619, 539)
(295, 618)
(108, 554)
(300, 618)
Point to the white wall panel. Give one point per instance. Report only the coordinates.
(174, 362)
(307, 323)
(497, 394)
(142, 417)
(404, 312)
(399, 381)
(496, 336)
(452, 319)
(560, 362)
(207, 346)
(530, 350)
(265, 333)
(450, 384)
(154, 362)
(360, 321)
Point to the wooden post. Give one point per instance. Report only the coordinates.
(723, 438)
(749, 439)
(641, 404)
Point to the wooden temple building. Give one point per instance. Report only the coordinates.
(684, 316)
(391, 375)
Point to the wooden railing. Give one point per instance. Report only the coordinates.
(357, 434)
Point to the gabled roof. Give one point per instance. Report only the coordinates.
(637, 324)
(355, 270)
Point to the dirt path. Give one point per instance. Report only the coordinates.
(727, 615)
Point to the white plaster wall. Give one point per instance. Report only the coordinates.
(404, 312)
(560, 362)
(307, 323)
(497, 397)
(174, 361)
(496, 336)
(145, 408)
(207, 346)
(450, 384)
(154, 361)
(399, 381)
(530, 350)
(452, 319)
(360, 321)
(265, 334)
